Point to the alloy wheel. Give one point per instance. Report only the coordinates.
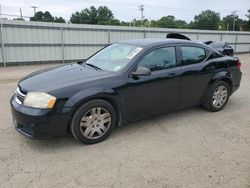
(219, 96)
(95, 123)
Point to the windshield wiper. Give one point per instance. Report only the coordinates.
(91, 65)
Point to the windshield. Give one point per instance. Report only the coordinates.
(114, 57)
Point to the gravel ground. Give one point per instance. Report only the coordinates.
(189, 148)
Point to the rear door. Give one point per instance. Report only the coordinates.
(196, 74)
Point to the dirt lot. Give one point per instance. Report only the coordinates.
(190, 148)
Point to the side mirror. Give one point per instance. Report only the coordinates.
(141, 71)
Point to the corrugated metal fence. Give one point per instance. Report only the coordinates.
(27, 42)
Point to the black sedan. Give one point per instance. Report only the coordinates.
(124, 82)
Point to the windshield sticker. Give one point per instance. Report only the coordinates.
(116, 68)
(133, 53)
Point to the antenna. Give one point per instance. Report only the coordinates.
(141, 9)
(34, 7)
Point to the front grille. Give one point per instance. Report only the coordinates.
(20, 95)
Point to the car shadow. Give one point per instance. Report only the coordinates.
(165, 120)
(68, 142)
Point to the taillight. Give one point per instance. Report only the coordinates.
(238, 64)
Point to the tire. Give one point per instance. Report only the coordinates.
(93, 122)
(215, 93)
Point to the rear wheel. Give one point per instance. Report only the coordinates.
(217, 97)
(93, 122)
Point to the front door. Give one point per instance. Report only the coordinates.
(159, 92)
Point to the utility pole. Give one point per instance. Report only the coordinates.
(141, 9)
(2, 41)
(227, 30)
(34, 7)
(21, 13)
(234, 19)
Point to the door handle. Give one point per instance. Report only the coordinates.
(171, 75)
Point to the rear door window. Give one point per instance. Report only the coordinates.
(192, 55)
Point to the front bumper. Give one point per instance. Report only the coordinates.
(39, 123)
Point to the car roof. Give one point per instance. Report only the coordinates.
(157, 41)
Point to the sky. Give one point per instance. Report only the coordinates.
(127, 10)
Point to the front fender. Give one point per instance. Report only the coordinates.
(82, 96)
(87, 94)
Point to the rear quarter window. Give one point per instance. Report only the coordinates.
(192, 55)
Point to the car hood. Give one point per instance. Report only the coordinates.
(62, 76)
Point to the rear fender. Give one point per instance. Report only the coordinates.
(222, 75)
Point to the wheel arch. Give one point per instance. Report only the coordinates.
(220, 76)
(223, 76)
(229, 82)
(108, 99)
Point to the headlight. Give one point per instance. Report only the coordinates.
(39, 100)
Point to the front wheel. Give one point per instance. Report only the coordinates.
(217, 97)
(93, 122)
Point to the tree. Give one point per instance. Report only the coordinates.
(181, 24)
(46, 17)
(166, 21)
(206, 20)
(247, 22)
(228, 22)
(248, 14)
(42, 17)
(104, 14)
(109, 22)
(59, 20)
(123, 23)
(135, 22)
(101, 15)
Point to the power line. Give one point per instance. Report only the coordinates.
(15, 15)
(23, 12)
(146, 4)
(102, 2)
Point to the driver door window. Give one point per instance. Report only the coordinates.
(159, 59)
